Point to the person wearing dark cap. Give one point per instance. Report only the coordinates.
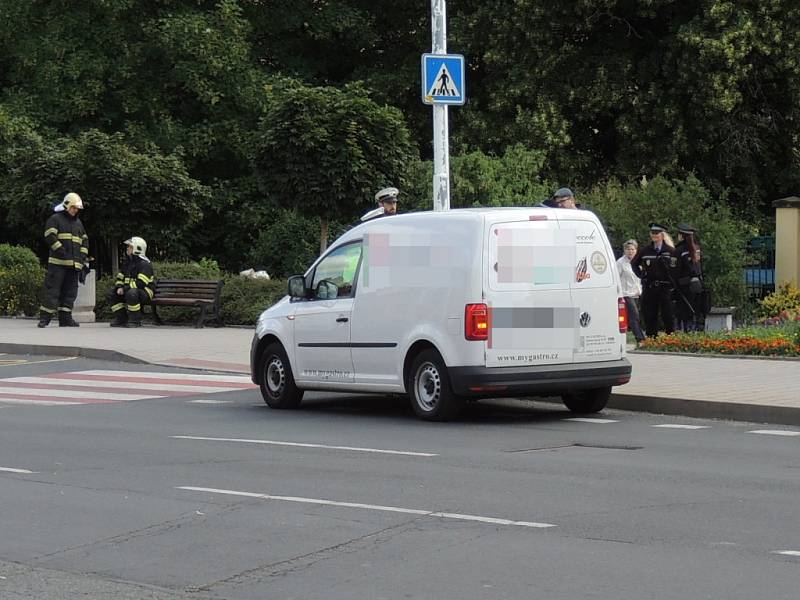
(562, 198)
(654, 264)
(688, 306)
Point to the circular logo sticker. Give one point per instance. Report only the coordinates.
(599, 263)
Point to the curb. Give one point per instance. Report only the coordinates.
(96, 353)
(712, 355)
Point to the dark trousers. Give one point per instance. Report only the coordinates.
(655, 299)
(60, 289)
(687, 314)
(632, 304)
(130, 303)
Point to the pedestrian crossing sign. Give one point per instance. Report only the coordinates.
(443, 79)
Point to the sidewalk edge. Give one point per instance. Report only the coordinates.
(706, 409)
(96, 353)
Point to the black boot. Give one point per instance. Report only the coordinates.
(65, 320)
(120, 319)
(44, 320)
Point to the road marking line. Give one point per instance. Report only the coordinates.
(678, 426)
(54, 382)
(588, 420)
(168, 380)
(44, 401)
(395, 509)
(39, 362)
(10, 470)
(83, 394)
(209, 401)
(235, 379)
(788, 552)
(784, 432)
(302, 445)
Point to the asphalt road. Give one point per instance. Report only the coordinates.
(213, 495)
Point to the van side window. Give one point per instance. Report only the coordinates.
(339, 268)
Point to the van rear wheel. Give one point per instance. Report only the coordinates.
(276, 380)
(587, 401)
(429, 388)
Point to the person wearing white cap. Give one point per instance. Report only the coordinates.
(69, 255)
(387, 204)
(134, 285)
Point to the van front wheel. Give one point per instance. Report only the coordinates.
(275, 377)
(587, 401)
(429, 388)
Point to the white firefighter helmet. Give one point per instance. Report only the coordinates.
(72, 199)
(138, 244)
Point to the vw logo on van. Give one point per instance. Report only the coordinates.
(585, 319)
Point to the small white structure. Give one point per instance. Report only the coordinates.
(720, 318)
(83, 311)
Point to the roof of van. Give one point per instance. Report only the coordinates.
(504, 211)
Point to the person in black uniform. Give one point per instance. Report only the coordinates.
(134, 285)
(69, 255)
(654, 264)
(688, 309)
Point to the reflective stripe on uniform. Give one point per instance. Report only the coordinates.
(78, 265)
(117, 306)
(62, 262)
(65, 236)
(64, 309)
(145, 278)
(84, 250)
(149, 292)
(56, 245)
(134, 307)
(47, 310)
(52, 230)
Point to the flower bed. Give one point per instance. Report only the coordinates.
(775, 340)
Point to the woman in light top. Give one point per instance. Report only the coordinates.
(631, 288)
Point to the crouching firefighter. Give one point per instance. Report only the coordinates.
(69, 255)
(133, 287)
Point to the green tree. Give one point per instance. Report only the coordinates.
(127, 191)
(325, 152)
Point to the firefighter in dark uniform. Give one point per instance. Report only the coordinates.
(133, 287)
(655, 264)
(69, 255)
(688, 309)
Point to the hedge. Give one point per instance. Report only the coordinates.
(21, 281)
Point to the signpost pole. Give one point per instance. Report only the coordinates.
(441, 144)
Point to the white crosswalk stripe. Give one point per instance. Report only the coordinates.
(105, 387)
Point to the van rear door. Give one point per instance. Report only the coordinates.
(529, 263)
(594, 291)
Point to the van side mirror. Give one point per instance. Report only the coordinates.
(297, 287)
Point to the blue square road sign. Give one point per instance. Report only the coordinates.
(443, 79)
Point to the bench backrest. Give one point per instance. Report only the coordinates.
(196, 289)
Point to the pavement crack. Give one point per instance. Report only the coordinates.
(303, 561)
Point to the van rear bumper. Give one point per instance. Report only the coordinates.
(541, 380)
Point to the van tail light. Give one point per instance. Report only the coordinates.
(476, 322)
(622, 310)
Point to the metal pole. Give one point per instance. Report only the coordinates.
(441, 144)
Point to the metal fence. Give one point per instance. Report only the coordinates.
(759, 271)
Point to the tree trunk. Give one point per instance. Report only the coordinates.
(114, 257)
(323, 235)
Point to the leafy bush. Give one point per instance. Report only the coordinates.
(783, 304)
(626, 211)
(244, 299)
(21, 280)
(288, 245)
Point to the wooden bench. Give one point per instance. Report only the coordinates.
(189, 293)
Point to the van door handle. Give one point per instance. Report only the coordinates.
(342, 320)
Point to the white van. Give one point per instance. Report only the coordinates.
(448, 306)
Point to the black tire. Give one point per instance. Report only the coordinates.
(429, 388)
(587, 401)
(276, 380)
